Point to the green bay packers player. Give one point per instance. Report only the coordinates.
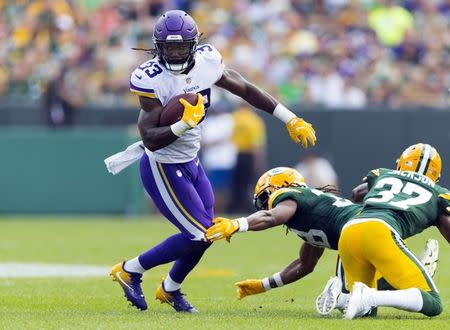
(282, 197)
(397, 204)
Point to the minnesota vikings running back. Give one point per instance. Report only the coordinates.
(170, 169)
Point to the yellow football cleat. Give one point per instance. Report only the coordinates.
(131, 285)
(175, 299)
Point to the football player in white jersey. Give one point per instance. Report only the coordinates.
(170, 170)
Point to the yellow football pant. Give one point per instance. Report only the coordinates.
(370, 246)
(341, 274)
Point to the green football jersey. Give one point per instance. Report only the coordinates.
(319, 217)
(410, 201)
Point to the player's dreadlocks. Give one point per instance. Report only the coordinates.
(329, 188)
(153, 51)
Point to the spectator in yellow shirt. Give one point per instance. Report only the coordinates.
(249, 137)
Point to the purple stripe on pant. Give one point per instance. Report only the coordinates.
(182, 193)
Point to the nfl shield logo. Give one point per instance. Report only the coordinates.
(188, 80)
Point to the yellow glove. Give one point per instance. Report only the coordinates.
(193, 114)
(301, 131)
(222, 228)
(248, 288)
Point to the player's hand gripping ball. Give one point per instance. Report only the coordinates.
(193, 114)
(175, 110)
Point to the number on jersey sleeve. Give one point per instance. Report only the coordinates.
(340, 202)
(141, 79)
(151, 69)
(313, 236)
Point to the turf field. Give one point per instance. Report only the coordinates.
(96, 302)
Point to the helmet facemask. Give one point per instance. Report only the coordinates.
(176, 55)
(261, 201)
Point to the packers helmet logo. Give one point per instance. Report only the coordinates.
(423, 159)
(272, 180)
(278, 170)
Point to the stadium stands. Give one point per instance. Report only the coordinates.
(328, 52)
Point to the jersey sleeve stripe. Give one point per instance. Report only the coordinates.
(445, 196)
(277, 193)
(133, 87)
(150, 95)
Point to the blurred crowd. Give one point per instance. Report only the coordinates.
(334, 53)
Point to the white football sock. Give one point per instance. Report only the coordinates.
(170, 285)
(408, 300)
(133, 266)
(342, 301)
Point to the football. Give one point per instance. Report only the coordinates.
(173, 111)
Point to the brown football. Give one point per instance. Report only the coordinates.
(173, 111)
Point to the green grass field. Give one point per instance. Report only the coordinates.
(97, 302)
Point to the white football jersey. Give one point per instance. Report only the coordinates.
(153, 80)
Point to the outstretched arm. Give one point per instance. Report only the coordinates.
(233, 82)
(279, 215)
(299, 268)
(444, 226)
(308, 257)
(299, 130)
(225, 228)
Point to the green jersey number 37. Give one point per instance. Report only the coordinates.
(391, 187)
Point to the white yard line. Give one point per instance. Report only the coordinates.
(34, 270)
(24, 270)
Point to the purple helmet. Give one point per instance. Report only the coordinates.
(176, 37)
